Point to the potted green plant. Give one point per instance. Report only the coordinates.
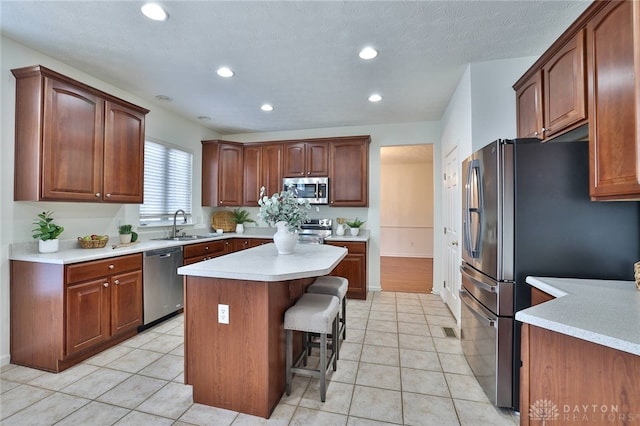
(125, 232)
(354, 226)
(47, 233)
(240, 217)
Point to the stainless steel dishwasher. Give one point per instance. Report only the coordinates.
(162, 286)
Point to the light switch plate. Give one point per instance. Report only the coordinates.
(223, 314)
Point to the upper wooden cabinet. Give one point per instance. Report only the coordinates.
(222, 172)
(306, 158)
(348, 171)
(262, 167)
(613, 52)
(74, 142)
(551, 96)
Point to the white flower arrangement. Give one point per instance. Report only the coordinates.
(284, 206)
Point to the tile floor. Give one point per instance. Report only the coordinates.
(396, 367)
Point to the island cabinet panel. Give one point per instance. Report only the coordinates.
(353, 267)
(222, 173)
(348, 171)
(63, 314)
(613, 52)
(74, 142)
(569, 381)
(538, 296)
(237, 366)
(306, 158)
(262, 168)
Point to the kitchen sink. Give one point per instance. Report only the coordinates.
(182, 238)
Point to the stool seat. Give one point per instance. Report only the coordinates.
(312, 313)
(336, 286)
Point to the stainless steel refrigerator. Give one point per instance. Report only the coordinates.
(527, 211)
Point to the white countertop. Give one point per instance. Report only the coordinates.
(263, 263)
(599, 311)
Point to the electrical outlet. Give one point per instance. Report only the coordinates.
(223, 314)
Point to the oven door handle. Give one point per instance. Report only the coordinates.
(487, 321)
(477, 282)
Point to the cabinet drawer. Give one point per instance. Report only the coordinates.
(351, 247)
(100, 268)
(211, 248)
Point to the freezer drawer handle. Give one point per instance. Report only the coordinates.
(486, 321)
(481, 284)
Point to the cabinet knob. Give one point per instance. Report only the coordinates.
(111, 266)
(116, 282)
(206, 248)
(105, 285)
(98, 194)
(535, 133)
(108, 195)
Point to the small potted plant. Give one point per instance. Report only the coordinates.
(47, 233)
(354, 226)
(240, 217)
(125, 232)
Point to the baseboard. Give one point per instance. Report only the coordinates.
(412, 256)
(5, 360)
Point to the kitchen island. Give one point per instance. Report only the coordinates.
(234, 315)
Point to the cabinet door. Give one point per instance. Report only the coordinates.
(349, 180)
(529, 108)
(72, 143)
(354, 268)
(230, 175)
(271, 169)
(613, 55)
(252, 180)
(317, 159)
(294, 159)
(126, 301)
(123, 154)
(565, 88)
(87, 314)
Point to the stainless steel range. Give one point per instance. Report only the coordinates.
(315, 231)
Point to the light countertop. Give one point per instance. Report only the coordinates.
(599, 311)
(263, 263)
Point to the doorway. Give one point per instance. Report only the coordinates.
(406, 218)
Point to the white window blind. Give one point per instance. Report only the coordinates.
(167, 183)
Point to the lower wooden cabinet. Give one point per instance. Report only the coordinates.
(193, 253)
(62, 314)
(353, 267)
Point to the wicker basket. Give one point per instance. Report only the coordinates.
(636, 274)
(222, 220)
(89, 244)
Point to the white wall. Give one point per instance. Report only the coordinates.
(77, 218)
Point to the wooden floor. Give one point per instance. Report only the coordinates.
(406, 274)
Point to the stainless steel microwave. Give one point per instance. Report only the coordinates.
(314, 189)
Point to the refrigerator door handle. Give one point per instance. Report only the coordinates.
(486, 319)
(473, 193)
(478, 283)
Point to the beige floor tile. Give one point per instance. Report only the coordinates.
(136, 418)
(438, 331)
(445, 321)
(47, 411)
(421, 410)
(179, 351)
(409, 309)
(383, 307)
(110, 355)
(199, 414)
(170, 401)
(353, 312)
(354, 336)
(350, 351)
(21, 374)
(94, 414)
(475, 413)
(167, 367)
(133, 391)
(165, 326)
(179, 378)
(163, 343)
(95, 384)
(134, 361)
(141, 339)
(6, 385)
(177, 330)
(356, 323)
(381, 338)
(424, 382)
(415, 329)
(338, 397)
(453, 363)
(20, 397)
(357, 421)
(465, 387)
(281, 416)
(380, 355)
(346, 372)
(379, 325)
(380, 376)
(447, 345)
(58, 381)
(308, 417)
(298, 388)
(417, 342)
(423, 360)
(376, 404)
(383, 316)
(412, 318)
(441, 311)
(7, 368)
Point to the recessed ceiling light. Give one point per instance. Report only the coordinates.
(154, 11)
(375, 98)
(225, 72)
(266, 107)
(368, 53)
(204, 118)
(164, 98)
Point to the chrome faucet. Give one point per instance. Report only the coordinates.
(175, 216)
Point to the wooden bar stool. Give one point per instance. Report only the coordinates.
(335, 286)
(312, 313)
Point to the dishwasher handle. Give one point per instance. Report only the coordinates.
(163, 252)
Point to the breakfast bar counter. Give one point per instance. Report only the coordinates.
(234, 313)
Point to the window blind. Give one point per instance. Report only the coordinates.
(167, 183)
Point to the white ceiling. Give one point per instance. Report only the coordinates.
(300, 56)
